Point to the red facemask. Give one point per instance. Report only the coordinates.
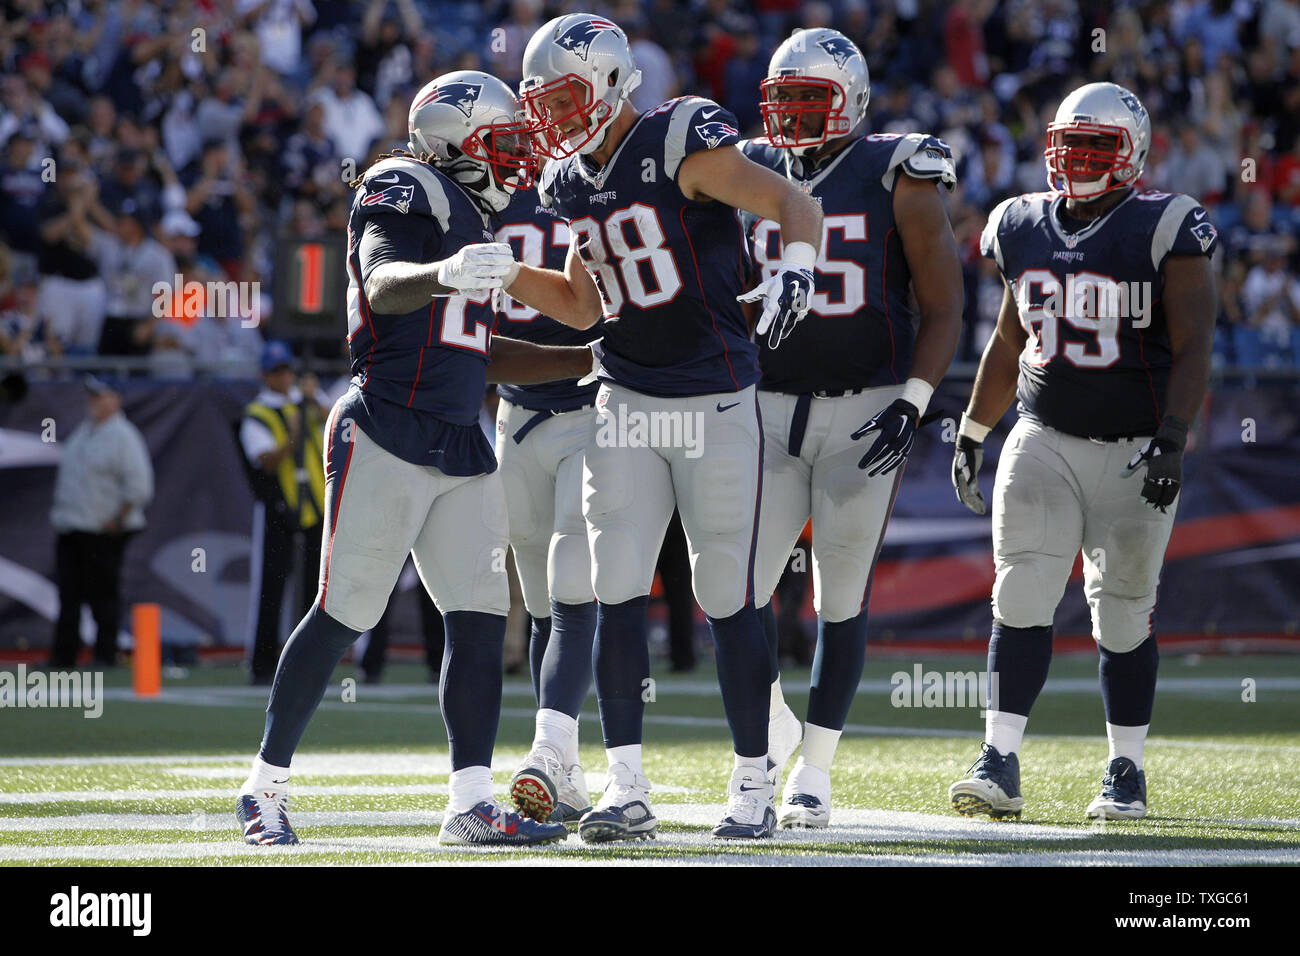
(778, 115)
(545, 127)
(1074, 170)
(508, 149)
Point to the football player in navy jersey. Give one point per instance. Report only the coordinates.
(651, 201)
(1104, 338)
(842, 395)
(408, 470)
(542, 431)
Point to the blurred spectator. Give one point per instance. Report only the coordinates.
(504, 50)
(22, 186)
(385, 56)
(351, 120)
(1271, 297)
(72, 294)
(741, 78)
(217, 196)
(279, 25)
(132, 264)
(104, 483)
(1257, 233)
(25, 110)
(24, 334)
(1193, 167)
(658, 72)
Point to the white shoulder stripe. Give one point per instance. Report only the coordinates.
(678, 128)
(989, 241)
(425, 177)
(1166, 231)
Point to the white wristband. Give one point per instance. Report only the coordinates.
(801, 255)
(918, 392)
(972, 429)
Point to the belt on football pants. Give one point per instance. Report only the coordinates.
(538, 417)
(799, 420)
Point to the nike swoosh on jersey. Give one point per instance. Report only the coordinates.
(710, 113)
(393, 180)
(1199, 214)
(723, 408)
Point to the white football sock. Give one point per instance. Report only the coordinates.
(265, 776)
(554, 730)
(628, 754)
(1004, 732)
(819, 745)
(468, 787)
(757, 764)
(778, 699)
(1126, 742)
(571, 751)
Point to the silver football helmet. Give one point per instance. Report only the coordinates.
(578, 70)
(470, 126)
(825, 59)
(1098, 141)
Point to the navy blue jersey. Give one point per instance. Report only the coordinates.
(540, 238)
(861, 327)
(669, 268)
(421, 376)
(1098, 358)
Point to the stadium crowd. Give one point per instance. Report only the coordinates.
(142, 140)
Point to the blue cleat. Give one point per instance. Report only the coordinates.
(263, 816)
(623, 812)
(991, 786)
(1123, 792)
(490, 824)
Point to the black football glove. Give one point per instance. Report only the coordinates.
(1163, 457)
(897, 425)
(967, 458)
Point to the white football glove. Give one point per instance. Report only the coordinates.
(786, 296)
(478, 266)
(594, 374)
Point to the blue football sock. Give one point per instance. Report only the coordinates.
(1019, 658)
(836, 671)
(745, 677)
(1128, 684)
(470, 690)
(309, 657)
(538, 639)
(566, 670)
(768, 617)
(622, 665)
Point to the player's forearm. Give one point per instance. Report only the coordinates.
(551, 293)
(800, 217)
(526, 363)
(1189, 378)
(396, 288)
(995, 382)
(1190, 299)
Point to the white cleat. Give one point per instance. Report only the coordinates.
(806, 802)
(750, 814)
(572, 798)
(784, 734)
(623, 812)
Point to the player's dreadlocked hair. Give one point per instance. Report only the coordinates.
(391, 154)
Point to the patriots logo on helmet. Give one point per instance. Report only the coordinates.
(1205, 234)
(838, 47)
(1134, 105)
(715, 133)
(398, 197)
(577, 38)
(463, 96)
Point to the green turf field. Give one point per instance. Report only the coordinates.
(153, 782)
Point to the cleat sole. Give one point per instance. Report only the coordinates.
(531, 793)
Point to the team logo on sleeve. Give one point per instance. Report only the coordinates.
(838, 47)
(1205, 234)
(577, 39)
(715, 133)
(398, 197)
(463, 96)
